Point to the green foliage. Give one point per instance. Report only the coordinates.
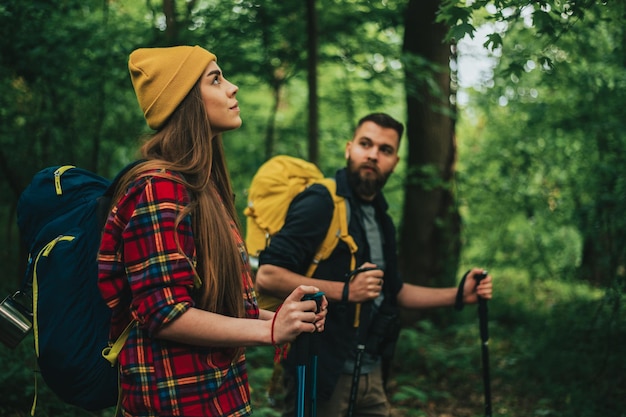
(549, 354)
(541, 163)
(60, 68)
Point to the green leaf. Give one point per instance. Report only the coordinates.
(494, 41)
(458, 32)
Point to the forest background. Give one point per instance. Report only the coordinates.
(513, 159)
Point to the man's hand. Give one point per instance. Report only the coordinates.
(471, 291)
(366, 285)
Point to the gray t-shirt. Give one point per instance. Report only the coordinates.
(375, 243)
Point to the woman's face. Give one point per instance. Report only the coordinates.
(218, 95)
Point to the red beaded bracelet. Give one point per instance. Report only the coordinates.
(278, 350)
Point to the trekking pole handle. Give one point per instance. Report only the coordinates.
(482, 311)
(480, 276)
(357, 271)
(349, 277)
(458, 303)
(317, 297)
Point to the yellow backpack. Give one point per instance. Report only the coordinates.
(273, 187)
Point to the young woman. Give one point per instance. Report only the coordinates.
(172, 258)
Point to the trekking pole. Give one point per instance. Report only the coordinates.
(356, 375)
(360, 348)
(306, 355)
(484, 336)
(302, 352)
(313, 390)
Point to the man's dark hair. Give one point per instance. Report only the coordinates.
(383, 120)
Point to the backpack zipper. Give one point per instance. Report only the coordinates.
(57, 177)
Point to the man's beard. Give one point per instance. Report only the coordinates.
(365, 188)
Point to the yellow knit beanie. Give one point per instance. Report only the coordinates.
(162, 77)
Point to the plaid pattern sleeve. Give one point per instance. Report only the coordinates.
(142, 274)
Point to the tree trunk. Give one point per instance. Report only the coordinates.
(171, 24)
(312, 80)
(429, 236)
(271, 123)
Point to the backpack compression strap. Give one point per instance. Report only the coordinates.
(111, 352)
(45, 251)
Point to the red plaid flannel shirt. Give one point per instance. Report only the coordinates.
(143, 276)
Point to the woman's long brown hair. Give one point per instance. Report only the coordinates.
(186, 145)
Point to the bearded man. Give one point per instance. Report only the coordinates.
(362, 324)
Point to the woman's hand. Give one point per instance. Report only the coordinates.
(296, 316)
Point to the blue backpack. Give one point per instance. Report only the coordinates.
(60, 216)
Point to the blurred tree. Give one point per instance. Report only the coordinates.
(429, 236)
(311, 17)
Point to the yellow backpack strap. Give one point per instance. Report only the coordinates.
(111, 352)
(341, 209)
(345, 237)
(338, 230)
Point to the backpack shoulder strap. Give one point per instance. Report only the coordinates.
(338, 229)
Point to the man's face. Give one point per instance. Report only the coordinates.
(372, 155)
